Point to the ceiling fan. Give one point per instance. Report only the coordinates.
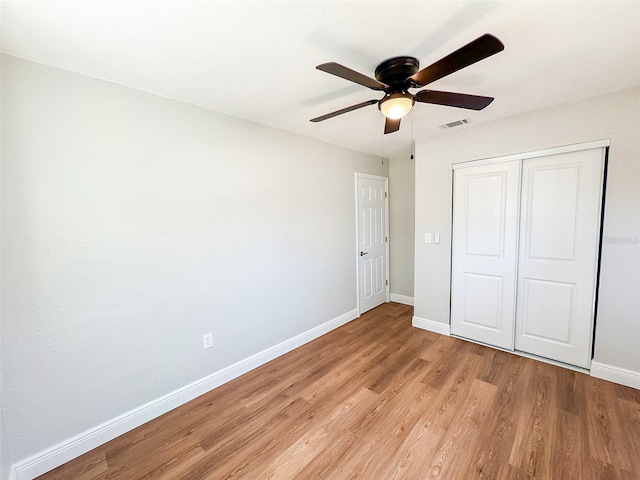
(396, 75)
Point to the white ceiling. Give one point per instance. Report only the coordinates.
(255, 60)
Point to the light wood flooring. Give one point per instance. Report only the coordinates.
(377, 399)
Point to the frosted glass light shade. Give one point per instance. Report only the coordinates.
(396, 105)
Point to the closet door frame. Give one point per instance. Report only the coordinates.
(604, 143)
(537, 153)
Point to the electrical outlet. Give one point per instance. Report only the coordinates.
(436, 238)
(207, 340)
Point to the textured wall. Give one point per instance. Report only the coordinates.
(401, 226)
(132, 225)
(5, 459)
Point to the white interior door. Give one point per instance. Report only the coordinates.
(372, 241)
(485, 232)
(559, 242)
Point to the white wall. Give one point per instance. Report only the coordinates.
(615, 116)
(132, 225)
(401, 224)
(5, 460)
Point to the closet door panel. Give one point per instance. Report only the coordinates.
(485, 222)
(559, 241)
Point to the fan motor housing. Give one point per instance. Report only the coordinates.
(395, 71)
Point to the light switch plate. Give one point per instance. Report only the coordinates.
(427, 238)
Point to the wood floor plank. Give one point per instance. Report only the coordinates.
(415, 455)
(315, 441)
(498, 369)
(379, 439)
(254, 447)
(463, 433)
(531, 448)
(570, 391)
(568, 457)
(378, 399)
(606, 441)
(176, 466)
(361, 363)
(493, 454)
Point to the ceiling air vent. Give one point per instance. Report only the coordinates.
(457, 123)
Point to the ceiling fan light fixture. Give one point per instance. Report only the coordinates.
(397, 75)
(396, 105)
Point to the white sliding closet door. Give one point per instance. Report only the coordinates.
(485, 227)
(558, 252)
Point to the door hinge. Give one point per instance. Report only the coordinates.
(386, 282)
(385, 194)
(385, 240)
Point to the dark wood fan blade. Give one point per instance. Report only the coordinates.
(460, 100)
(351, 75)
(344, 110)
(391, 125)
(481, 48)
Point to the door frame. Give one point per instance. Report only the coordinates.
(386, 233)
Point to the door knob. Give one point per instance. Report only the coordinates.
(362, 254)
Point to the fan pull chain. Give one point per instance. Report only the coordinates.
(382, 148)
(413, 142)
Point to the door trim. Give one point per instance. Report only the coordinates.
(386, 232)
(536, 153)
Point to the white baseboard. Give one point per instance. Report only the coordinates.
(71, 448)
(614, 374)
(394, 297)
(432, 326)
